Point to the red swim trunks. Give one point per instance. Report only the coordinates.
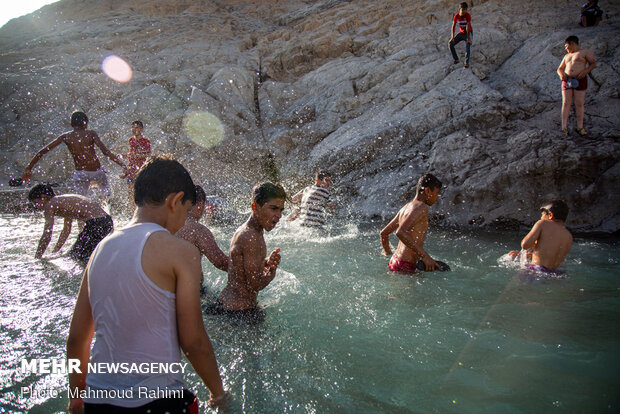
(401, 266)
(583, 84)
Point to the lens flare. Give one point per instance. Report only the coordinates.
(203, 128)
(117, 69)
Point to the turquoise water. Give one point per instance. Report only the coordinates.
(342, 334)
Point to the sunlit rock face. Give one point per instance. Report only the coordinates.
(366, 89)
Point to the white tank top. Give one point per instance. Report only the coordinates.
(135, 321)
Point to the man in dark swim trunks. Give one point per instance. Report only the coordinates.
(549, 239)
(70, 207)
(411, 225)
(573, 71)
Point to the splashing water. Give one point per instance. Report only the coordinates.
(343, 334)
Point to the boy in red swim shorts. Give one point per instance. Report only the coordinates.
(411, 225)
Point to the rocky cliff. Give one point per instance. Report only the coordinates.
(364, 88)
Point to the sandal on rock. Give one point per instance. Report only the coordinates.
(582, 132)
(565, 131)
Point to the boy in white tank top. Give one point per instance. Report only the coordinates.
(140, 299)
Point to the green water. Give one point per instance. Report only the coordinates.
(342, 334)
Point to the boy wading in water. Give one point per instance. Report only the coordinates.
(81, 144)
(139, 298)
(411, 225)
(549, 239)
(70, 207)
(199, 235)
(573, 71)
(249, 272)
(139, 151)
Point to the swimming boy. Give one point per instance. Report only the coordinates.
(81, 143)
(249, 272)
(411, 225)
(573, 71)
(98, 223)
(549, 239)
(313, 201)
(199, 235)
(139, 298)
(463, 20)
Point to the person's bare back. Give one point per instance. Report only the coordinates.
(413, 219)
(550, 242)
(75, 207)
(81, 145)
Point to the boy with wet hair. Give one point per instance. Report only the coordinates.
(549, 239)
(200, 235)
(313, 201)
(81, 144)
(98, 223)
(463, 20)
(249, 272)
(411, 225)
(140, 298)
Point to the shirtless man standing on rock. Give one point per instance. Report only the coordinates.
(574, 71)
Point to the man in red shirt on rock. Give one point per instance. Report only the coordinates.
(463, 19)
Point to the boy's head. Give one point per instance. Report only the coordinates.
(268, 204)
(79, 120)
(557, 209)
(570, 43)
(198, 208)
(39, 194)
(463, 8)
(428, 188)
(323, 178)
(158, 178)
(137, 127)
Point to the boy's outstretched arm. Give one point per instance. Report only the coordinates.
(208, 246)
(193, 337)
(46, 237)
(81, 333)
(385, 236)
(112, 156)
(28, 171)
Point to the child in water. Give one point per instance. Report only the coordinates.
(549, 239)
(411, 225)
(70, 207)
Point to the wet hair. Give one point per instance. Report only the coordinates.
(322, 174)
(200, 195)
(463, 5)
(39, 190)
(427, 180)
(559, 209)
(572, 39)
(263, 192)
(138, 123)
(159, 177)
(79, 119)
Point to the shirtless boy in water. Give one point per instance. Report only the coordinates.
(411, 224)
(70, 207)
(576, 64)
(249, 271)
(81, 144)
(549, 239)
(199, 235)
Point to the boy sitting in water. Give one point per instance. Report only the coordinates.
(411, 224)
(199, 235)
(139, 298)
(70, 207)
(249, 271)
(549, 239)
(81, 143)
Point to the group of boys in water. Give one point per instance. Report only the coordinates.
(156, 257)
